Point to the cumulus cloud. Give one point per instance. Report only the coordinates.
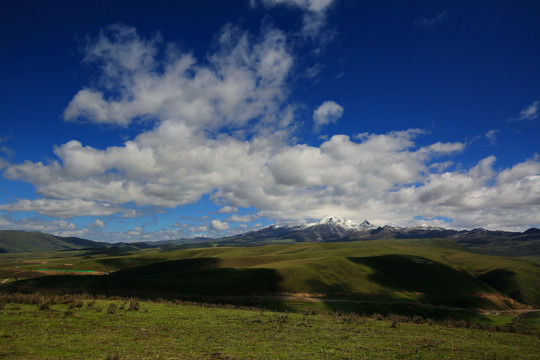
(147, 170)
(242, 218)
(529, 113)
(228, 210)
(243, 81)
(55, 227)
(65, 208)
(480, 195)
(199, 229)
(387, 178)
(97, 224)
(328, 112)
(218, 225)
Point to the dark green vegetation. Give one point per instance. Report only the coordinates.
(79, 327)
(424, 298)
(16, 241)
(13, 241)
(499, 243)
(430, 272)
(505, 244)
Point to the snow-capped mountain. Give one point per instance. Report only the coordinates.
(334, 228)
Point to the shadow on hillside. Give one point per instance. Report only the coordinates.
(417, 274)
(434, 283)
(201, 276)
(415, 286)
(505, 281)
(160, 267)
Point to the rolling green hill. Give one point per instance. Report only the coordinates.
(422, 270)
(16, 241)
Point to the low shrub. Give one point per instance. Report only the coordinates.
(112, 308)
(134, 305)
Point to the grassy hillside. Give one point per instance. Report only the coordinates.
(429, 271)
(15, 241)
(68, 327)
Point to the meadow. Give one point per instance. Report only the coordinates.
(384, 299)
(35, 326)
(437, 272)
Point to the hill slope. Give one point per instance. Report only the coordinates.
(15, 241)
(425, 270)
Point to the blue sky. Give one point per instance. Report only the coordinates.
(139, 120)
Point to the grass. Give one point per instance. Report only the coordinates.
(407, 288)
(427, 270)
(102, 328)
(16, 241)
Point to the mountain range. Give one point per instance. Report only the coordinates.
(328, 229)
(334, 228)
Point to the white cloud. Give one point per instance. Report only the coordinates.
(242, 218)
(122, 174)
(443, 148)
(529, 113)
(54, 227)
(5, 153)
(491, 135)
(97, 224)
(307, 5)
(313, 71)
(328, 112)
(217, 225)
(228, 210)
(315, 12)
(66, 208)
(242, 82)
(199, 229)
(519, 171)
(386, 178)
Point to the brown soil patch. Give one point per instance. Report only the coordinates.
(502, 302)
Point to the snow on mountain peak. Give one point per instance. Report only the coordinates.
(337, 221)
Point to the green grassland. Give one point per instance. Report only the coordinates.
(81, 327)
(424, 299)
(428, 271)
(16, 241)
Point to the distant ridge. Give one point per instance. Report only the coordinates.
(334, 228)
(328, 229)
(18, 241)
